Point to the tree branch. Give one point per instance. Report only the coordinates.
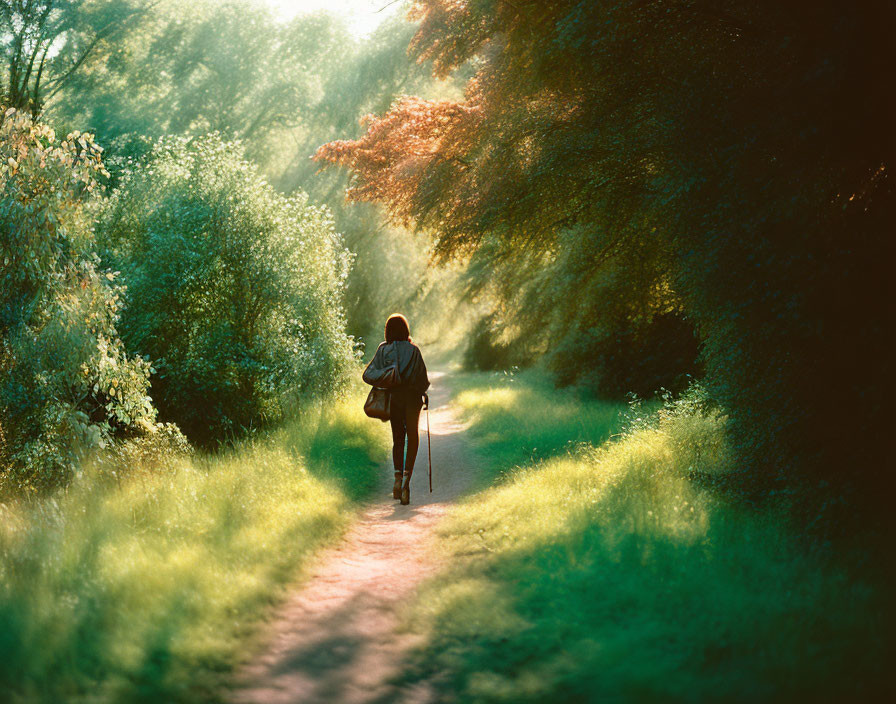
(108, 30)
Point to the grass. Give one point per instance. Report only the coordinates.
(520, 418)
(147, 592)
(605, 573)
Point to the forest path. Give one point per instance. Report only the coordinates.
(336, 639)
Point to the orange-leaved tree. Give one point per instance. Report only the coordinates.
(516, 176)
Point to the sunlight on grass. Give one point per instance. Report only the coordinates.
(147, 592)
(608, 573)
(521, 418)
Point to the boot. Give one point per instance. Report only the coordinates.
(406, 492)
(396, 488)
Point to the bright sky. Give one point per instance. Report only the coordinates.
(361, 15)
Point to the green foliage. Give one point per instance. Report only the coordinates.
(596, 330)
(612, 324)
(609, 573)
(206, 66)
(234, 290)
(781, 245)
(612, 162)
(67, 385)
(150, 591)
(45, 43)
(638, 356)
(485, 351)
(163, 449)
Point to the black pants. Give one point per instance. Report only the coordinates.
(405, 418)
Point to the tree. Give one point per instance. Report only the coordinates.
(230, 67)
(44, 43)
(510, 178)
(742, 148)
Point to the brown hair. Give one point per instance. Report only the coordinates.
(397, 328)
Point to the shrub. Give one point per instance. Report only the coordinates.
(234, 290)
(66, 384)
(162, 450)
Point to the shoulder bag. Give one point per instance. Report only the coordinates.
(379, 400)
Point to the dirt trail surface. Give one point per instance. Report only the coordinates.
(336, 638)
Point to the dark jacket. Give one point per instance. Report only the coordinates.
(411, 368)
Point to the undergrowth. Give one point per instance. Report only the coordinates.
(606, 573)
(147, 591)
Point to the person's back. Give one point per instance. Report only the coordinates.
(407, 398)
(411, 367)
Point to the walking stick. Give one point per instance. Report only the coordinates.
(429, 444)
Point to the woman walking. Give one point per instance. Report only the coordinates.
(407, 399)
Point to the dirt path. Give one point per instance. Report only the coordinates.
(336, 637)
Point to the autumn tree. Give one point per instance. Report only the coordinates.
(726, 162)
(390, 271)
(510, 177)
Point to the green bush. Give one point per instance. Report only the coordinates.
(66, 385)
(614, 329)
(233, 290)
(614, 358)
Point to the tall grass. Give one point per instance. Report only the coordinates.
(521, 418)
(607, 573)
(148, 591)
